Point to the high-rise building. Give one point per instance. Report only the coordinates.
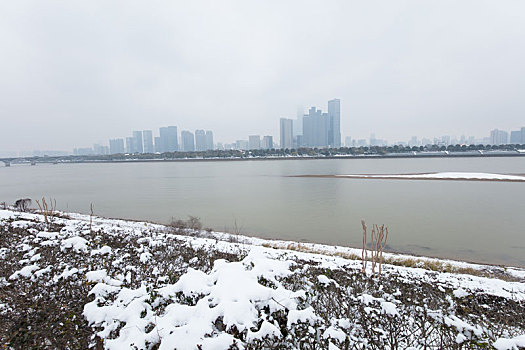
(298, 123)
(188, 141)
(348, 141)
(334, 120)
(200, 140)
(209, 140)
(148, 141)
(499, 137)
(99, 149)
(523, 136)
(157, 144)
(130, 145)
(412, 142)
(241, 144)
(87, 151)
(116, 146)
(515, 137)
(315, 128)
(168, 139)
(254, 142)
(137, 142)
(267, 142)
(286, 132)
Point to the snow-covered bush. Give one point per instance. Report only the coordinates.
(116, 284)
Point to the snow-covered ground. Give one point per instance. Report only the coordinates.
(123, 284)
(443, 176)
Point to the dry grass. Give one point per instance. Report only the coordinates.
(413, 262)
(47, 209)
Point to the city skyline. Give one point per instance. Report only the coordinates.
(315, 129)
(291, 136)
(170, 140)
(398, 68)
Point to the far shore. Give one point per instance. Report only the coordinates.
(81, 159)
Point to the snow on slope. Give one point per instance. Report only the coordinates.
(232, 302)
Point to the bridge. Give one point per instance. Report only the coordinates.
(33, 160)
(7, 161)
(37, 159)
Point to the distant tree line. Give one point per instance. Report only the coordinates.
(294, 152)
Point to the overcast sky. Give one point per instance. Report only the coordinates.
(74, 73)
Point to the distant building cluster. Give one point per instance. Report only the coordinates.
(254, 142)
(496, 137)
(144, 142)
(315, 129)
(500, 137)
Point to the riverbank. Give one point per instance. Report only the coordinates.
(81, 281)
(248, 156)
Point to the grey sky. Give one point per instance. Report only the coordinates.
(74, 73)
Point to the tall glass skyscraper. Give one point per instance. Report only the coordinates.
(200, 140)
(148, 141)
(168, 139)
(334, 128)
(286, 133)
(137, 142)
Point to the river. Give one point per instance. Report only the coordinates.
(467, 220)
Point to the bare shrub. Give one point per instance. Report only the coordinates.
(179, 226)
(364, 254)
(378, 239)
(380, 235)
(22, 204)
(194, 223)
(91, 208)
(234, 237)
(47, 209)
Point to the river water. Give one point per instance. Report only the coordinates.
(467, 220)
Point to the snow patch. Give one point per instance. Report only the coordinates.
(26, 271)
(77, 243)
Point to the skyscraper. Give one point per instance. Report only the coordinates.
(209, 140)
(138, 146)
(267, 142)
(315, 128)
(286, 131)
(515, 137)
(188, 141)
(168, 139)
(254, 142)
(499, 137)
(334, 128)
(148, 141)
(130, 145)
(298, 123)
(200, 140)
(99, 149)
(116, 146)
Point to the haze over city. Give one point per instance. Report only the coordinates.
(269, 174)
(75, 74)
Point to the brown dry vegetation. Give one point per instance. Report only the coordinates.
(42, 313)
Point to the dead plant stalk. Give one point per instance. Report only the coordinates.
(378, 239)
(47, 209)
